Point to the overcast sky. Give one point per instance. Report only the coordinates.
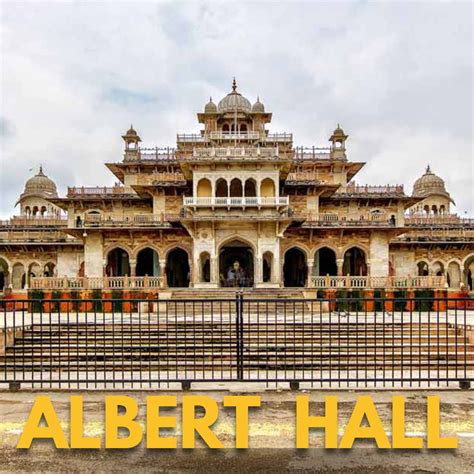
(396, 76)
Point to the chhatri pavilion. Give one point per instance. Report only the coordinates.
(236, 205)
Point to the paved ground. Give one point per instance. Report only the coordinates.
(271, 438)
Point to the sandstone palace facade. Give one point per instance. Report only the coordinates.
(236, 205)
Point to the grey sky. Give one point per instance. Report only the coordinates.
(397, 76)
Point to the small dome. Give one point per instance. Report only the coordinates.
(40, 185)
(428, 184)
(234, 102)
(339, 132)
(258, 107)
(131, 131)
(210, 107)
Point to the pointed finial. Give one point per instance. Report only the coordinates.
(41, 169)
(234, 85)
(338, 126)
(258, 98)
(210, 99)
(428, 169)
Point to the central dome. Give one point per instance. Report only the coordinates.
(234, 102)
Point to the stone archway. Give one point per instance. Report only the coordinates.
(468, 273)
(118, 262)
(354, 262)
(236, 264)
(148, 262)
(295, 268)
(178, 271)
(325, 262)
(4, 274)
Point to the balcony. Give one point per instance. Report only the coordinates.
(236, 201)
(352, 220)
(446, 220)
(40, 235)
(161, 179)
(303, 178)
(121, 221)
(235, 136)
(33, 222)
(311, 153)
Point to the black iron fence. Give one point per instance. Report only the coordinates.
(333, 343)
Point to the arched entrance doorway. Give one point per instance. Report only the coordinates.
(354, 262)
(423, 269)
(267, 267)
(469, 273)
(118, 263)
(177, 269)
(148, 262)
(4, 274)
(236, 264)
(205, 267)
(294, 269)
(325, 262)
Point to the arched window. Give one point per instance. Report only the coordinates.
(27, 211)
(43, 210)
(434, 209)
(221, 188)
(426, 208)
(250, 188)
(225, 128)
(243, 128)
(49, 269)
(454, 275)
(35, 210)
(204, 188)
(442, 209)
(267, 188)
(236, 188)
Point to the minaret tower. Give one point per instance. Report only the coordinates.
(131, 139)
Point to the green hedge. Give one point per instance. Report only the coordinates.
(420, 303)
(97, 297)
(36, 306)
(117, 305)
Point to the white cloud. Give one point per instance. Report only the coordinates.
(397, 76)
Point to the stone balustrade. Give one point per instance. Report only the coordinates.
(96, 283)
(403, 282)
(236, 201)
(112, 220)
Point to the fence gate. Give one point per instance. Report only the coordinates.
(378, 342)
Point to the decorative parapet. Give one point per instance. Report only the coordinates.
(312, 153)
(357, 189)
(236, 201)
(84, 191)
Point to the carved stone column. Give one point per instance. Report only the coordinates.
(340, 266)
(163, 273)
(133, 267)
(309, 279)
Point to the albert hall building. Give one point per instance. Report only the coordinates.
(236, 205)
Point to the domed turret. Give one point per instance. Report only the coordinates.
(432, 190)
(258, 107)
(234, 101)
(429, 184)
(40, 185)
(34, 199)
(210, 107)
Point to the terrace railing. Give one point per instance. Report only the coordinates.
(447, 220)
(239, 136)
(236, 201)
(354, 220)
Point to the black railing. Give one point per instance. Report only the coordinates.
(333, 343)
